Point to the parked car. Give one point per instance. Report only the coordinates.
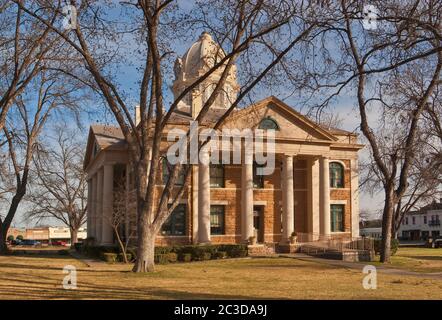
(16, 242)
(30, 243)
(437, 243)
(59, 243)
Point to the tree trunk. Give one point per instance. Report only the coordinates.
(120, 243)
(3, 245)
(387, 218)
(145, 251)
(74, 236)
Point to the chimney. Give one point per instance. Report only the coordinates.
(137, 115)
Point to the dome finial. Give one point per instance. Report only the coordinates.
(205, 35)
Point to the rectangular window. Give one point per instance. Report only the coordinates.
(337, 217)
(414, 220)
(217, 176)
(175, 225)
(406, 220)
(166, 171)
(425, 219)
(258, 179)
(216, 220)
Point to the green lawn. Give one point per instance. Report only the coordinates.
(38, 277)
(418, 259)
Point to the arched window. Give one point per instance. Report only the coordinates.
(336, 175)
(268, 123)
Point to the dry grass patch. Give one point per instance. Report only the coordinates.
(426, 260)
(267, 278)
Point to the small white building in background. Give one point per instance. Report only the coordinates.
(63, 233)
(375, 233)
(422, 224)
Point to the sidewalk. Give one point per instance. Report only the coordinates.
(91, 263)
(360, 266)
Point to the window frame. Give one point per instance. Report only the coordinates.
(218, 230)
(334, 224)
(275, 125)
(337, 181)
(215, 168)
(166, 174)
(179, 209)
(258, 180)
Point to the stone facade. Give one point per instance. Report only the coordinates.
(299, 196)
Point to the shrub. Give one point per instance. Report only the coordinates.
(172, 257)
(121, 257)
(10, 238)
(163, 250)
(185, 257)
(161, 258)
(220, 255)
(78, 246)
(394, 245)
(205, 256)
(238, 253)
(19, 237)
(109, 257)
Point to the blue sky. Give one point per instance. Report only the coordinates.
(128, 76)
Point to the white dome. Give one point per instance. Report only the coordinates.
(199, 59)
(201, 56)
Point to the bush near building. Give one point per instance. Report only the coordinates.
(393, 247)
(169, 254)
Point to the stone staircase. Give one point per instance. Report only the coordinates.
(319, 249)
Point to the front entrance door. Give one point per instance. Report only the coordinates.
(258, 223)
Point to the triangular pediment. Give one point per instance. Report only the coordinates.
(291, 124)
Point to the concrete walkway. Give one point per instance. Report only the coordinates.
(91, 263)
(360, 266)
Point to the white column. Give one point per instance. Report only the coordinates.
(314, 206)
(195, 204)
(94, 207)
(89, 209)
(247, 200)
(99, 211)
(108, 204)
(204, 199)
(288, 221)
(127, 204)
(325, 196)
(354, 198)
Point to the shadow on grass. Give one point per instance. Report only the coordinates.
(52, 289)
(436, 258)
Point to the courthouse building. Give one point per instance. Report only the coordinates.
(312, 191)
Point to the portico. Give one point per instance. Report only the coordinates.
(313, 189)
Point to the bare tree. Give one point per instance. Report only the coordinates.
(60, 189)
(24, 45)
(119, 218)
(21, 132)
(380, 64)
(246, 30)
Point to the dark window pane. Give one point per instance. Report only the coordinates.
(167, 167)
(268, 123)
(216, 220)
(217, 176)
(258, 179)
(175, 225)
(337, 217)
(336, 175)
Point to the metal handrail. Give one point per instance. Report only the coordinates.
(333, 242)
